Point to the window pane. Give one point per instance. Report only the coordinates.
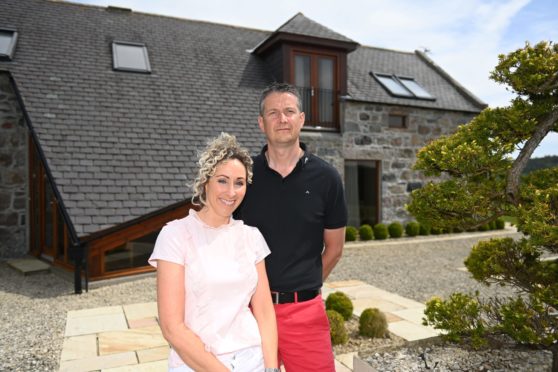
(325, 91)
(302, 81)
(414, 87)
(302, 71)
(36, 203)
(132, 254)
(6, 42)
(49, 199)
(60, 235)
(393, 86)
(133, 57)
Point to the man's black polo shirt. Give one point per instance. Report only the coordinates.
(292, 213)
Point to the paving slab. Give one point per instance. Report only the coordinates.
(411, 331)
(340, 367)
(99, 362)
(28, 265)
(154, 354)
(360, 304)
(79, 347)
(95, 324)
(141, 311)
(158, 366)
(105, 310)
(130, 340)
(346, 360)
(140, 323)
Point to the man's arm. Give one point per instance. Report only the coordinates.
(334, 240)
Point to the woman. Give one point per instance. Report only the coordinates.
(210, 269)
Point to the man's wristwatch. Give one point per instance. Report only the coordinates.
(272, 370)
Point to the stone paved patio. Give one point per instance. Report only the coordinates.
(128, 338)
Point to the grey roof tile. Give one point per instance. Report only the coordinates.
(302, 25)
(114, 137)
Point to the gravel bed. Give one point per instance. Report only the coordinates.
(33, 314)
(33, 308)
(417, 268)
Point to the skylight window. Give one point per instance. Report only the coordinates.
(415, 88)
(8, 40)
(402, 86)
(130, 57)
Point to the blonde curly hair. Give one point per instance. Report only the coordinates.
(218, 149)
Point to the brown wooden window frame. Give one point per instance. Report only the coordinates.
(99, 247)
(38, 182)
(339, 80)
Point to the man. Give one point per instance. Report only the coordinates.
(297, 201)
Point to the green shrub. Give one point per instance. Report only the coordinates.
(484, 227)
(372, 323)
(435, 231)
(424, 229)
(337, 329)
(500, 223)
(380, 231)
(460, 315)
(365, 232)
(412, 228)
(395, 229)
(341, 303)
(492, 225)
(350, 234)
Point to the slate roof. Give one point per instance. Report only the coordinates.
(302, 25)
(121, 145)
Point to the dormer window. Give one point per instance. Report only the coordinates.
(405, 87)
(8, 41)
(315, 75)
(130, 57)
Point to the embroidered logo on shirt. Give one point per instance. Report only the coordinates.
(307, 192)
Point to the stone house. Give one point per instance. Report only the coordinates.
(102, 110)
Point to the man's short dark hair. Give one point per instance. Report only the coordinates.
(280, 88)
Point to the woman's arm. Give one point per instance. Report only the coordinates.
(263, 310)
(170, 301)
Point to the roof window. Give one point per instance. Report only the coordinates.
(399, 86)
(8, 40)
(130, 57)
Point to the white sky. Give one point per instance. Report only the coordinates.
(464, 36)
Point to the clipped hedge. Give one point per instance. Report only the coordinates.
(341, 303)
(424, 229)
(372, 323)
(351, 233)
(380, 231)
(435, 231)
(395, 230)
(337, 329)
(412, 228)
(500, 223)
(365, 232)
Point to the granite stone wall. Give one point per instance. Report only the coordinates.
(13, 174)
(366, 135)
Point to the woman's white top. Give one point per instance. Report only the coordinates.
(220, 279)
